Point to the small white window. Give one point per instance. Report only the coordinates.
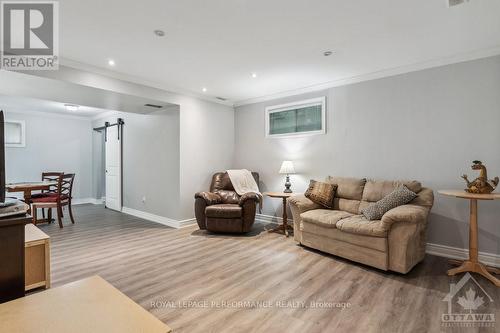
(15, 133)
(295, 119)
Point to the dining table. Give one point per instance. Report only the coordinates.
(28, 187)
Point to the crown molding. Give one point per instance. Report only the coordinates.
(463, 57)
(478, 54)
(139, 80)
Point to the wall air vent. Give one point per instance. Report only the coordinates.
(221, 98)
(153, 106)
(452, 3)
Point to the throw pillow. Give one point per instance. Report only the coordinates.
(400, 196)
(321, 193)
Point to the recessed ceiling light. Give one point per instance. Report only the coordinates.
(204, 89)
(111, 62)
(159, 33)
(327, 53)
(71, 107)
(254, 75)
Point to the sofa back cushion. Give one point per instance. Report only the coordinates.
(349, 193)
(375, 190)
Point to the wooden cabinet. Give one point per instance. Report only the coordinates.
(37, 258)
(12, 257)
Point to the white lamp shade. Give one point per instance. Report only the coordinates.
(287, 167)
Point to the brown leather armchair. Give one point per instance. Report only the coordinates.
(222, 209)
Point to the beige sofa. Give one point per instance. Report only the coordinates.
(396, 242)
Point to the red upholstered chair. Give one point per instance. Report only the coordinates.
(58, 199)
(47, 177)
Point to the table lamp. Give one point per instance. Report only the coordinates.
(287, 169)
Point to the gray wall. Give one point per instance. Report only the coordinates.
(53, 143)
(150, 161)
(207, 146)
(427, 125)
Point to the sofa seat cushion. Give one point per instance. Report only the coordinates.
(324, 217)
(329, 235)
(358, 224)
(227, 211)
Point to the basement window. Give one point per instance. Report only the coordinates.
(305, 117)
(15, 133)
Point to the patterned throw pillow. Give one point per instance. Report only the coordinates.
(321, 193)
(400, 196)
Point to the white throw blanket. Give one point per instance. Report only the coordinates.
(243, 181)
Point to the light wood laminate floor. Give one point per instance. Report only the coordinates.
(163, 269)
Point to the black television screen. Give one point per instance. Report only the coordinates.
(2, 158)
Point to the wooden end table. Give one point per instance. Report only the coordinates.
(472, 264)
(283, 227)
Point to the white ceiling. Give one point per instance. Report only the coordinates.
(28, 105)
(218, 44)
(30, 93)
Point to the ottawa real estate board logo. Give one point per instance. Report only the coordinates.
(29, 35)
(469, 305)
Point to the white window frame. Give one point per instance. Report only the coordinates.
(22, 144)
(294, 105)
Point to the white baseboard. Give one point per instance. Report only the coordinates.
(152, 217)
(270, 219)
(83, 201)
(489, 259)
(187, 222)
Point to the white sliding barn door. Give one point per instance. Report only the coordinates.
(113, 169)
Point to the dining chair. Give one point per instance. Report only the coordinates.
(58, 200)
(47, 177)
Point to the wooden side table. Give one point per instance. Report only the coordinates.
(472, 264)
(283, 227)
